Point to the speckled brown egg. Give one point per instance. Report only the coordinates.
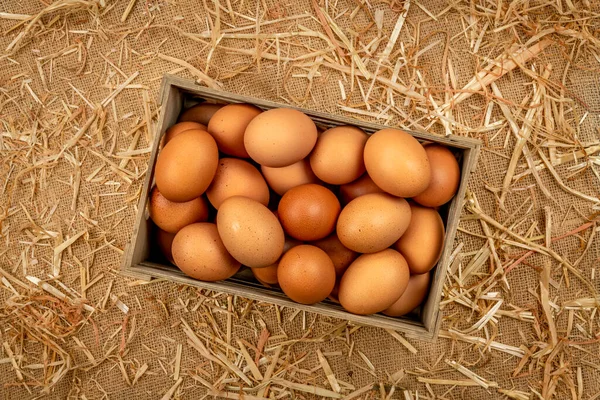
(164, 240)
(280, 137)
(236, 177)
(341, 256)
(268, 275)
(397, 163)
(306, 274)
(308, 212)
(423, 241)
(250, 232)
(186, 165)
(361, 186)
(283, 179)
(228, 125)
(373, 282)
(171, 216)
(445, 177)
(373, 222)
(416, 291)
(181, 127)
(338, 155)
(199, 252)
(201, 113)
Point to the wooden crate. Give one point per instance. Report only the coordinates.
(137, 262)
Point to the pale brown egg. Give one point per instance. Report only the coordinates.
(164, 240)
(186, 165)
(361, 186)
(416, 291)
(423, 241)
(181, 127)
(373, 282)
(338, 155)
(308, 212)
(228, 125)
(280, 137)
(283, 179)
(250, 232)
(201, 113)
(171, 216)
(373, 222)
(306, 274)
(199, 252)
(445, 177)
(268, 275)
(236, 177)
(341, 256)
(397, 163)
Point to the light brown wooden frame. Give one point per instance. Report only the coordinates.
(174, 92)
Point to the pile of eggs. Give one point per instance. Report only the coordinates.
(320, 214)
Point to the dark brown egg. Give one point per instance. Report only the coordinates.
(228, 125)
(423, 241)
(171, 216)
(341, 256)
(201, 113)
(360, 187)
(182, 127)
(236, 177)
(445, 177)
(164, 240)
(306, 274)
(416, 291)
(268, 275)
(308, 212)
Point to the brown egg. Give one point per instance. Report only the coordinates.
(423, 241)
(445, 177)
(308, 212)
(228, 126)
(333, 296)
(201, 113)
(283, 179)
(341, 256)
(338, 155)
(181, 127)
(306, 274)
(397, 163)
(236, 177)
(199, 252)
(250, 232)
(416, 291)
(373, 222)
(186, 165)
(170, 216)
(164, 240)
(268, 275)
(280, 137)
(374, 282)
(361, 186)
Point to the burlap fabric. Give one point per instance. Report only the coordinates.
(48, 92)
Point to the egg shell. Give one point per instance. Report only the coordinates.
(416, 291)
(333, 296)
(171, 216)
(360, 187)
(182, 127)
(423, 241)
(283, 179)
(268, 275)
(201, 113)
(338, 155)
(250, 232)
(164, 240)
(373, 222)
(397, 163)
(308, 212)
(235, 177)
(199, 252)
(228, 125)
(306, 274)
(445, 177)
(373, 282)
(280, 137)
(186, 165)
(341, 256)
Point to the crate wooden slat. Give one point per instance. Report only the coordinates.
(174, 93)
